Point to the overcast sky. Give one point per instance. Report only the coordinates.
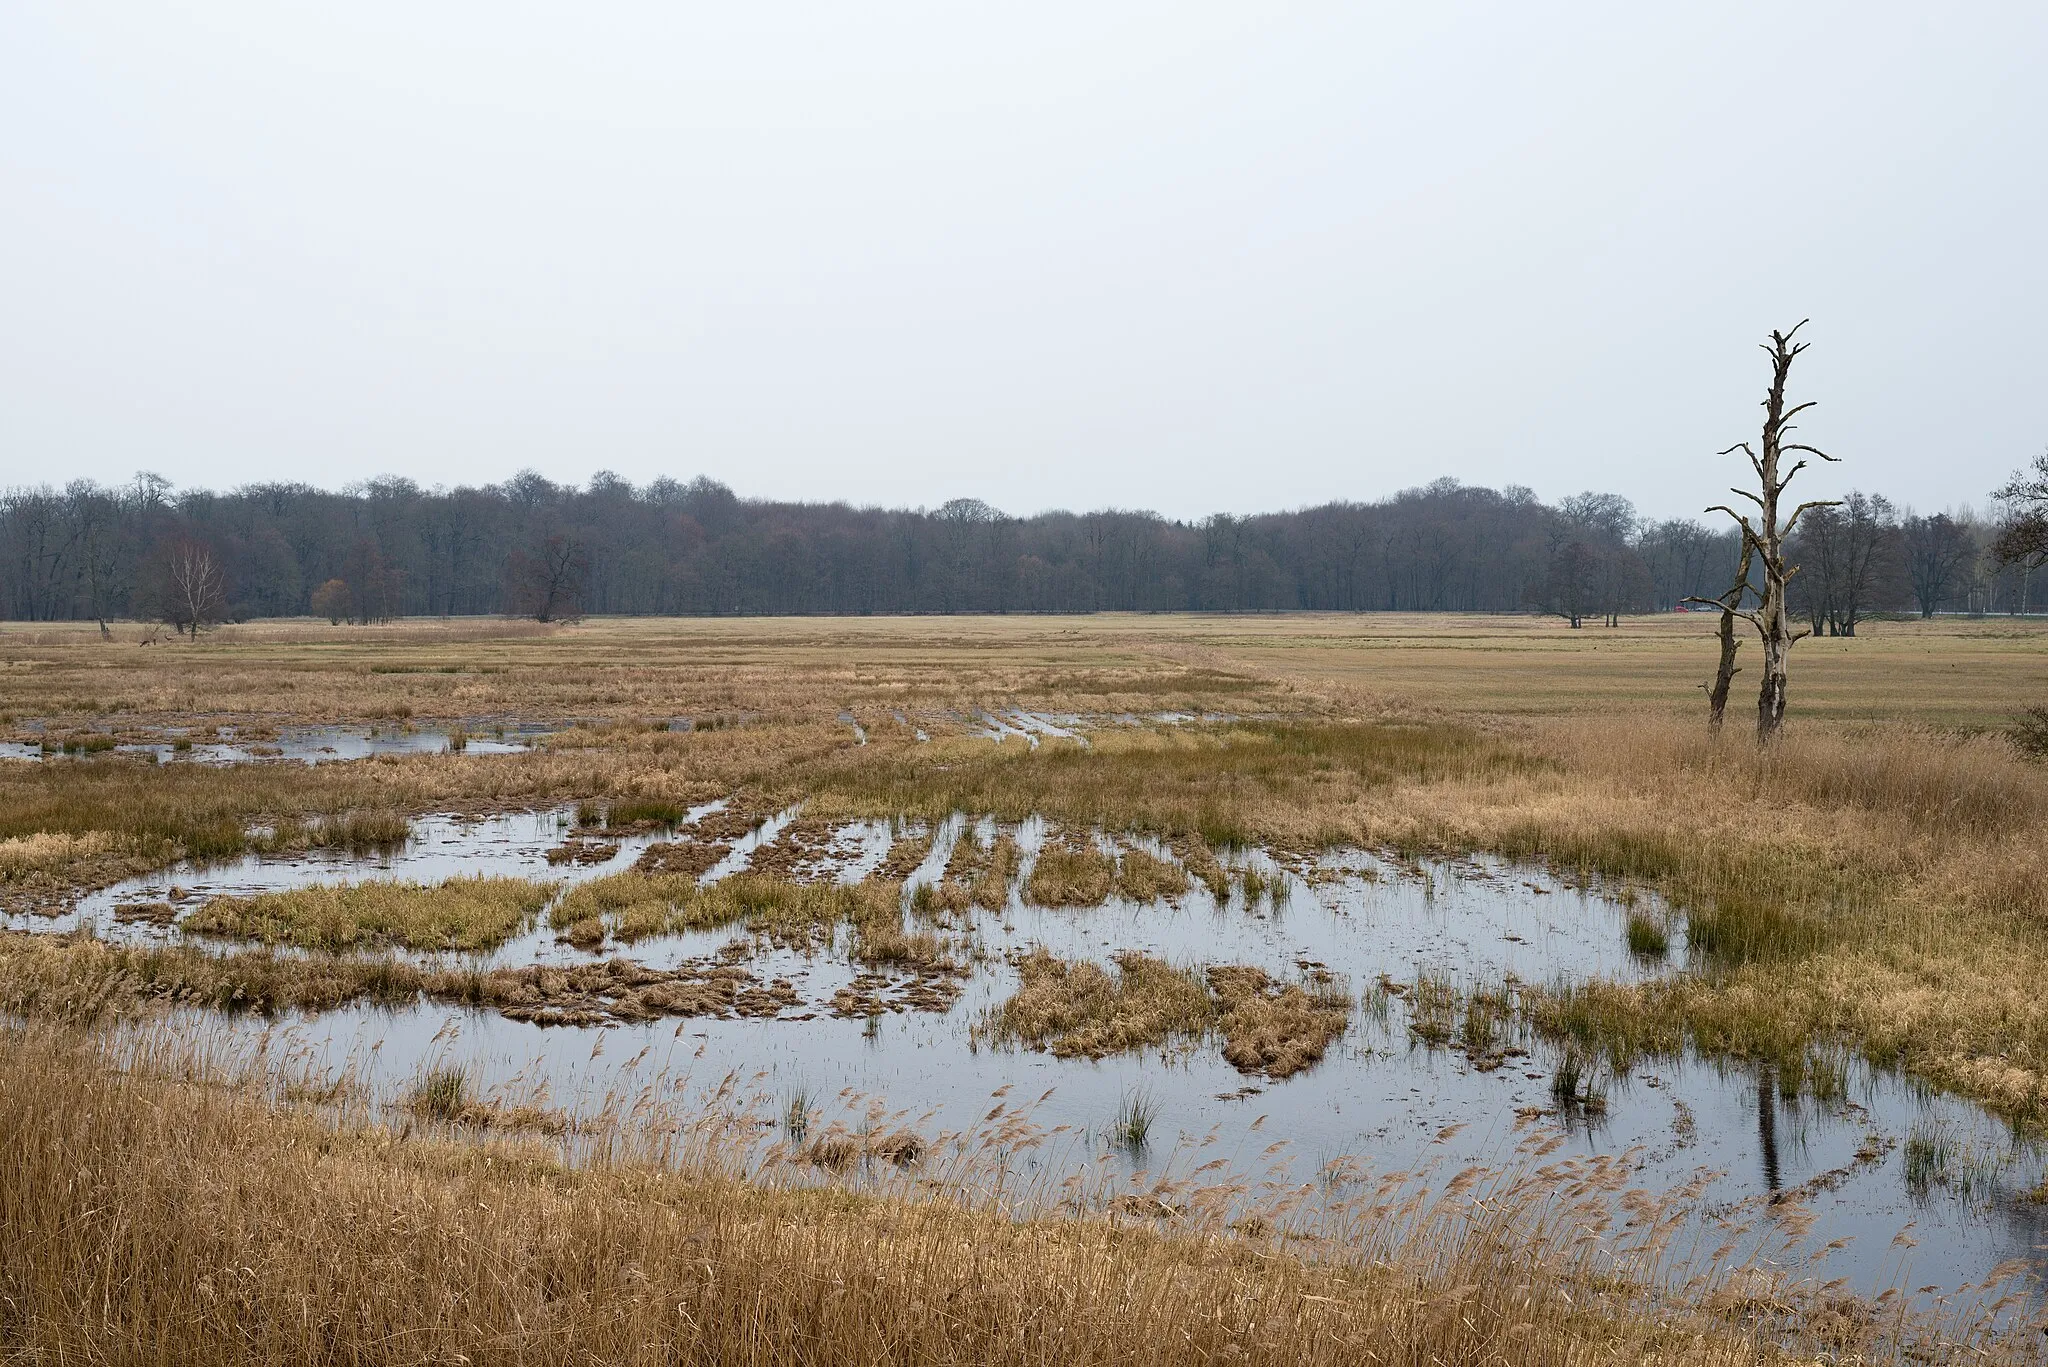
(1181, 256)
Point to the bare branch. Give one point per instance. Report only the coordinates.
(1793, 521)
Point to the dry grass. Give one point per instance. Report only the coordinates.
(976, 875)
(1275, 1028)
(1070, 873)
(1227, 784)
(1142, 877)
(458, 914)
(1078, 1009)
(154, 1220)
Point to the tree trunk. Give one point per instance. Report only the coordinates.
(1725, 671)
(1770, 700)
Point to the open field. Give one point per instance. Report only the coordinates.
(1953, 671)
(1874, 888)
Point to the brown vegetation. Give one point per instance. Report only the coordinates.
(1897, 903)
(165, 1221)
(1075, 1008)
(1069, 873)
(457, 914)
(1275, 1028)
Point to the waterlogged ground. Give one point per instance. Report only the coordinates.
(1882, 1186)
(292, 744)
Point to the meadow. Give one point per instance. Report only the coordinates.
(1874, 885)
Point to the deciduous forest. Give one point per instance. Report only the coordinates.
(389, 548)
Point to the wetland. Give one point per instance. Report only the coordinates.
(1190, 926)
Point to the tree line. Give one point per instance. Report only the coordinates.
(527, 546)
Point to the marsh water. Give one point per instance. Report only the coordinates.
(1895, 1187)
(304, 744)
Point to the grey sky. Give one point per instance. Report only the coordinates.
(1186, 257)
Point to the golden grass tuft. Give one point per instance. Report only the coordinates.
(1078, 1009)
(1070, 873)
(1277, 1029)
(1142, 877)
(458, 914)
(1073, 1008)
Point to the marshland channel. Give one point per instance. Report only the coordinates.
(1864, 1155)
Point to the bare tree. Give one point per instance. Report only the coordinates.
(1767, 534)
(1939, 551)
(1593, 570)
(1849, 562)
(548, 583)
(2022, 538)
(95, 513)
(1569, 589)
(42, 536)
(1684, 560)
(193, 585)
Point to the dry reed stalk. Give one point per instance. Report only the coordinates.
(187, 1221)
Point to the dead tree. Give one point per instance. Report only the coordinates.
(193, 583)
(1730, 604)
(1766, 536)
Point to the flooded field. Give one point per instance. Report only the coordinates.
(290, 744)
(1431, 1071)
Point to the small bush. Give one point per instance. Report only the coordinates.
(2029, 732)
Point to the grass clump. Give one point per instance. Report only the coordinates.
(776, 906)
(1646, 936)
(638, 905)
(1273, 1028)
(1073, 1008)
(1142, 877)
(459, 914)
(796, 1114)
(440, 1094)
(1070, 875)
(1078, 1009)
(83, 979)
(644, 813)
(1575, 1084)
(1200, 861)
(990, 889)
(1433, 1009)
(1132, 1127)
